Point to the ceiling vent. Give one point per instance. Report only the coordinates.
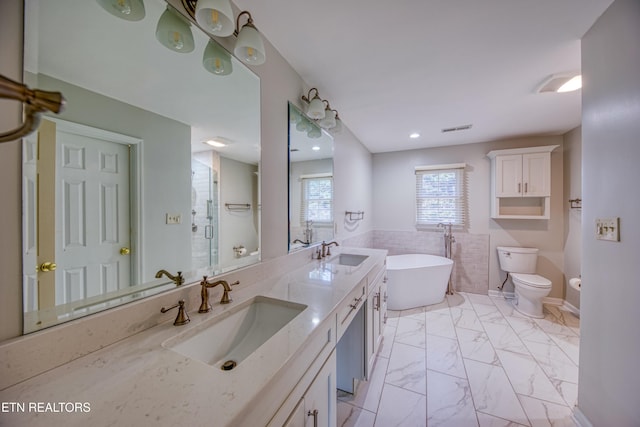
(456, 128)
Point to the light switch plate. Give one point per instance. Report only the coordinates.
(174, 218)
(608, 229)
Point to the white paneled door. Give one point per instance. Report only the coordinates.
(92, 216)
(78, 244)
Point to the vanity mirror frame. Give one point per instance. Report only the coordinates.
(151, 163)
(309, 165)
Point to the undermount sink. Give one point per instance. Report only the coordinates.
(352, 260)
(231, 337)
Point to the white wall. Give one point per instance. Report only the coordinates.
(609, 382)
(394, 202)
(572, 217)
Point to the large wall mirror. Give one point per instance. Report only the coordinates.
(310, 182)
(121, 185)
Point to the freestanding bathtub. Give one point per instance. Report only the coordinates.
(415, 280)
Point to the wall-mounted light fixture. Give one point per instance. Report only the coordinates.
(321, 112)
(315, 106)
(130, 10)
(216, 18)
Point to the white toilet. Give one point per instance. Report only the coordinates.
(530, 288)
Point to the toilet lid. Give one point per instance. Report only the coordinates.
(532, 280)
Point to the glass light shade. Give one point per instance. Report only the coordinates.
(174, 32)
(314, 132)
(303, 126)
(315, 109)
(215, 17)
(338, 127)
(249, 46)
(216, 60)
(329, 120)
(130, 10)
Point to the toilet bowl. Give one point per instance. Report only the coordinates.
(529, 287)
(529, 290)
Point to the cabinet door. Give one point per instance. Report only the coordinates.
(508, 176)
(320, 400)
(298, 417)
(536, 174)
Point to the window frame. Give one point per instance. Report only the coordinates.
(459, 196)
(304, 200)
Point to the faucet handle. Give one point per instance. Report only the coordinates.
(182, 318)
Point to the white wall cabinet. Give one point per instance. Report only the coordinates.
(521, 182)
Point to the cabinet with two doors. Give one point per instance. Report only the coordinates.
(521, 182)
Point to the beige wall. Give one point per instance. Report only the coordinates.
(394, 201)
(572, 217)
(609, 382)
(10, 171)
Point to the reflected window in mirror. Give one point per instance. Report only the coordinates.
(124, 189)
(310, 182)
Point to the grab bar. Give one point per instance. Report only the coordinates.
(35, 102)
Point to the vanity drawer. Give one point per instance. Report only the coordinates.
(350, 307)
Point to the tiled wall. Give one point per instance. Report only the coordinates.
(470, 253)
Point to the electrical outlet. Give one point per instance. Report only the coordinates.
(174, 218)
(608, 229)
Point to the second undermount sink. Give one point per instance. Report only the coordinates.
(231, 337)
(352, 260)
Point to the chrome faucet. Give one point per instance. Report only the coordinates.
(327, 247)
(205, 307)
(178, 279)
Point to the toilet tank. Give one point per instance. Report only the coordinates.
(517, 260)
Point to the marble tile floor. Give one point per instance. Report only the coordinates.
(470, 361)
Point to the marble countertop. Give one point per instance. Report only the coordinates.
(137, 381)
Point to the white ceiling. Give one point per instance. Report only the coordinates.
(392, 68)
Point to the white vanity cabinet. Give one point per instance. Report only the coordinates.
(521, 182)
(376, 313)
(317, 408)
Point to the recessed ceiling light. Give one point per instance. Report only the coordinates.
(216, 142)
(414, 135)
(315, 148)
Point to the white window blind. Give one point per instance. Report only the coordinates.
(441, 195)
(317, 199)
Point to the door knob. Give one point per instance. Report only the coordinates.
(47, 266)
(125, 251)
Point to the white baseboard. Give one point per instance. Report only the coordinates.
(552, 301)
(495, 293)
(546, 300)
(571, 308)
(580, 418)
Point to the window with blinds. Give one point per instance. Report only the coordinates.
(441, 195)
(317, 200)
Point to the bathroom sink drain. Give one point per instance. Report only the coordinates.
(228, 365)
